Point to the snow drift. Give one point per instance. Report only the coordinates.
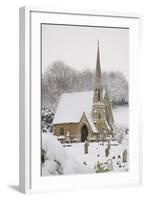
(57, 160)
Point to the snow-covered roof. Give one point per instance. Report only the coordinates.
(90, 120)
(61, 137)
(72, 105)
(107, 125)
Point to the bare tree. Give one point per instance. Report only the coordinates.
(60, 78)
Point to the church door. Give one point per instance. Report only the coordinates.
(84, 133)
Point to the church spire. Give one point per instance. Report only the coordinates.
(98, 70)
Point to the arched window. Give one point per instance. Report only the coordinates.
(98, 94)
(99, 116)
(61, 131)
(84, 133)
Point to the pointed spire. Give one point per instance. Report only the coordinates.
(98, 43)
(98, 70)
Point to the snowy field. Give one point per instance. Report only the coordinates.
(121, 116)
(71, 159)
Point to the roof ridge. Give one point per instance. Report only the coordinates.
(71, 106)
(92, 126)
(66, 93)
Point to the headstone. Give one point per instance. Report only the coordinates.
(86, 145)
(109, 164)
(106, 152)
(119, 156)
(84, 163)
(109, 145)
(97, 168)
(124, 156)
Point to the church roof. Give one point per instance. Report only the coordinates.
(72, 105)
(90, 120)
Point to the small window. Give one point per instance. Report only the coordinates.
(98, 94)
(61, 131)
(99, 115)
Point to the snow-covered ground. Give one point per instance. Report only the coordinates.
(121, 116)
(96, 152)
(58, 160)
(71, 159)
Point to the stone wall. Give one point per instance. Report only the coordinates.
(73, 130)
(69, 128)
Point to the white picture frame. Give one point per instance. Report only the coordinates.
(29, 160)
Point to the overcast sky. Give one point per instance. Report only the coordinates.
(77, 47)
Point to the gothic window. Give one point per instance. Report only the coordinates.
(99, 115)
(84, 133)
(61, 131)
(98, 94)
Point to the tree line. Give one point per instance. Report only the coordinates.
(61, 78)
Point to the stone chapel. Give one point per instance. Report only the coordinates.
(85, 115)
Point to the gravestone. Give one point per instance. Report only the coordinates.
(124, 156)
(86, 145)
(109, 164)
(109, 145)
(107, 152)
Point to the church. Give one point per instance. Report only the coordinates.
(85, 115)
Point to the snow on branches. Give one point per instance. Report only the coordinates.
(60, 78)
